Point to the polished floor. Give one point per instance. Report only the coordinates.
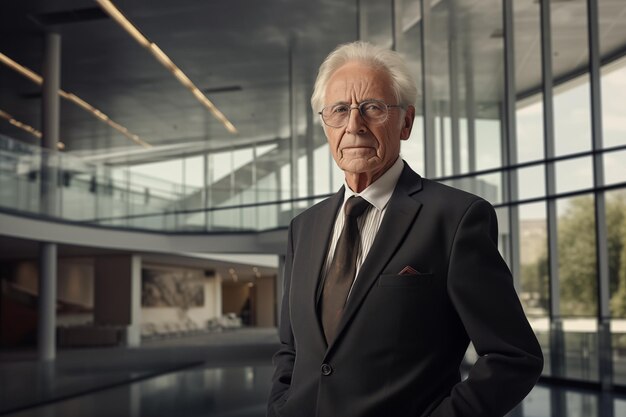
(224, 375)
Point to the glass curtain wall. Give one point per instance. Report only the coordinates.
(554, 171)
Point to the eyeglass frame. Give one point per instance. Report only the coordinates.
(359, 107)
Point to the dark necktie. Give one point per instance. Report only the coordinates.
(342, 268)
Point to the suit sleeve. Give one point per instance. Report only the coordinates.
(285, 357)
(480, 287)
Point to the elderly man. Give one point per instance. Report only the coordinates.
(387, 281)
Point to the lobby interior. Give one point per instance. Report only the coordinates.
(152, 158)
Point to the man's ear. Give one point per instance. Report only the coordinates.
(407, 123)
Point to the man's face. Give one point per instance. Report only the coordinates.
(359, 148)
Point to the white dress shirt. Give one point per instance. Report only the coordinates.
(377, 194)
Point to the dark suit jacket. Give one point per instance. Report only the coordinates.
(402, 337)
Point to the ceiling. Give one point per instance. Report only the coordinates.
(245, 54)
(242, 46)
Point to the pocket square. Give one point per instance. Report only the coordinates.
(408, 270)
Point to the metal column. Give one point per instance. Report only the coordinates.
(557, 344)
(430, 152)
(602, 252)
(510, 141)
(453, 74)
(46, 331)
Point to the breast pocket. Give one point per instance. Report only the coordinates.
(414, 281)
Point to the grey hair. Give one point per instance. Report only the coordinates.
(403, 84)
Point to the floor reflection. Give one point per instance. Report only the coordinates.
(233, 392)
(241, 391)
(562, 402)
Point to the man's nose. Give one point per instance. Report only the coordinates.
(356, 124)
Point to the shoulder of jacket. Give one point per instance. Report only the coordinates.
(446, 193)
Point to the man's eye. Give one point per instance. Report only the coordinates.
(372, 107)
(340, 109)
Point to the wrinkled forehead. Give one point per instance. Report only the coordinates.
(357, 81)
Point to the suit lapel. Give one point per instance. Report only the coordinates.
(317, 248)
(401, 212)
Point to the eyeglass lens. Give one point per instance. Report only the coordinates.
(372, 111)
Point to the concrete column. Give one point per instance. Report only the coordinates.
(50, 93)
(117, 297)
(46, 328)
(293, 121)
(218, 295)
(50, 123)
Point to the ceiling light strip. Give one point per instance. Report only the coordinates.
(25, 127)
(38, 79)
(162, 57)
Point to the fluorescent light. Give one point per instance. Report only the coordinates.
(125, 23)
(38, 79)
(25, 127)
(162, 57)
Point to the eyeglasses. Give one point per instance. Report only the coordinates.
(374, 112)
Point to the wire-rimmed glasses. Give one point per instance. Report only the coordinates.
(373, 112)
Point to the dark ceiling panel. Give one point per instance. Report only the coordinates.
(242, 46)
(236, 50)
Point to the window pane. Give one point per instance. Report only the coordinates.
(574, 174)
(488, 143)
(569, 35)
(322, 161)
(534, 281)
(616, 242)
(531, 182)
(614, 167)
(613, 110)
(533, 245)
(527, 39)
(412, 150)
(577, 256)
(578, 286)
(530, 143)
(581, 348)
(572, 117)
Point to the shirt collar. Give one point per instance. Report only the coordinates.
(379, 192)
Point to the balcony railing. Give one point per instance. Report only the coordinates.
(115, 196)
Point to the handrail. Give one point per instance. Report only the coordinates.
(165, 208)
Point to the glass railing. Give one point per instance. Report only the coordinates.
(36, 181)
(39, 182)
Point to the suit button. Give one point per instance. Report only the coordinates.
(326, 369)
